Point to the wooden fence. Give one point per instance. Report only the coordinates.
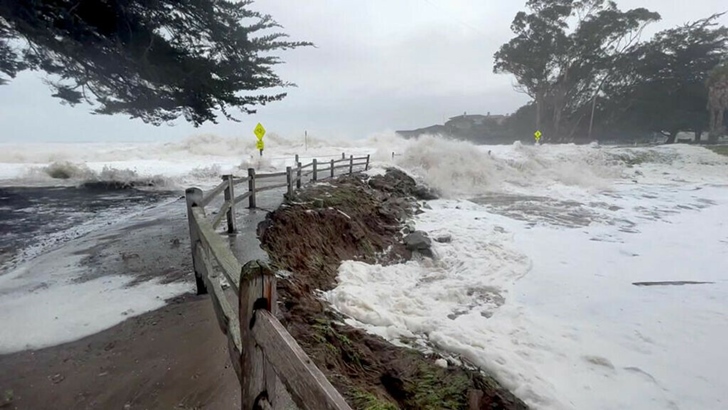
(263, 353)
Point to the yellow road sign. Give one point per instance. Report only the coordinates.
(260, 144)
(537, 134)
(259, 131)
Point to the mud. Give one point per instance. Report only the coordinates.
(172, 358)
(352, 218)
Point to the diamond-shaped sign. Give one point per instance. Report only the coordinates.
(537, 134)
(259, 131)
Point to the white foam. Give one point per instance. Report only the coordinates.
(42, 303)
(196, 161)
(459, 168)
(550, 307)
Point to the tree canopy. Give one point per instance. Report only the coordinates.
(585, 66)
(155, 60)
(564, 51)
(669, 73)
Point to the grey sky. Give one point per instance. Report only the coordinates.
(379, 65)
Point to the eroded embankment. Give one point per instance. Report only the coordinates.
(356, 218)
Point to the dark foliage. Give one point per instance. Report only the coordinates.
(151, 59)
(591, 76)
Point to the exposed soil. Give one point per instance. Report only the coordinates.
(351, 218)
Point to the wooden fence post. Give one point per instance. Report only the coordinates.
(289, 180)
(351, 165)
(343, 155)
(315, 177)
(366, 167)
(230, 197)
(297, 161)
(298, 176)
(194, 196)
(257, 291)
(251, 187)
(332, 168)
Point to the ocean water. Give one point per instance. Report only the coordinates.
(90, 233)
(536, 286)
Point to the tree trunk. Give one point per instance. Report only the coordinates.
(671, 137)
(698, 136)
(571, 137)
(539, 108)
(557, 122)
(712, 137)
(591, 119)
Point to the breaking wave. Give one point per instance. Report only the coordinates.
(459, 168)
(455, 168)
(109, 178)
(199, 146)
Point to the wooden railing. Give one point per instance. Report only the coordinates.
(263, 353)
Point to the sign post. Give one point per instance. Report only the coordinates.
(537, 135)
(259, 132)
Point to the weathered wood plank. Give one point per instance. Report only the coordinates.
(265, 405)
(227, 319)
(309, 387)
(210, 196)
(194, 197)
(257, 291)
(310, 164)
(298, 174)
(218, 248)
(270, 175)
(344, 166)
(269, 187)
(241, 198)
(221, 214)
(239, 180)
(251, 188)
(229, 196)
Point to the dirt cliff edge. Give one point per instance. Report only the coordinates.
(361, 218)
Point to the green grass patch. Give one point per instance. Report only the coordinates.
(337, 343)
(719, 149)
(8, 397)
(341, 196)
(331, 197)
(366, 401)
(436, 389)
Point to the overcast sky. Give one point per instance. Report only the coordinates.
(379, 65)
